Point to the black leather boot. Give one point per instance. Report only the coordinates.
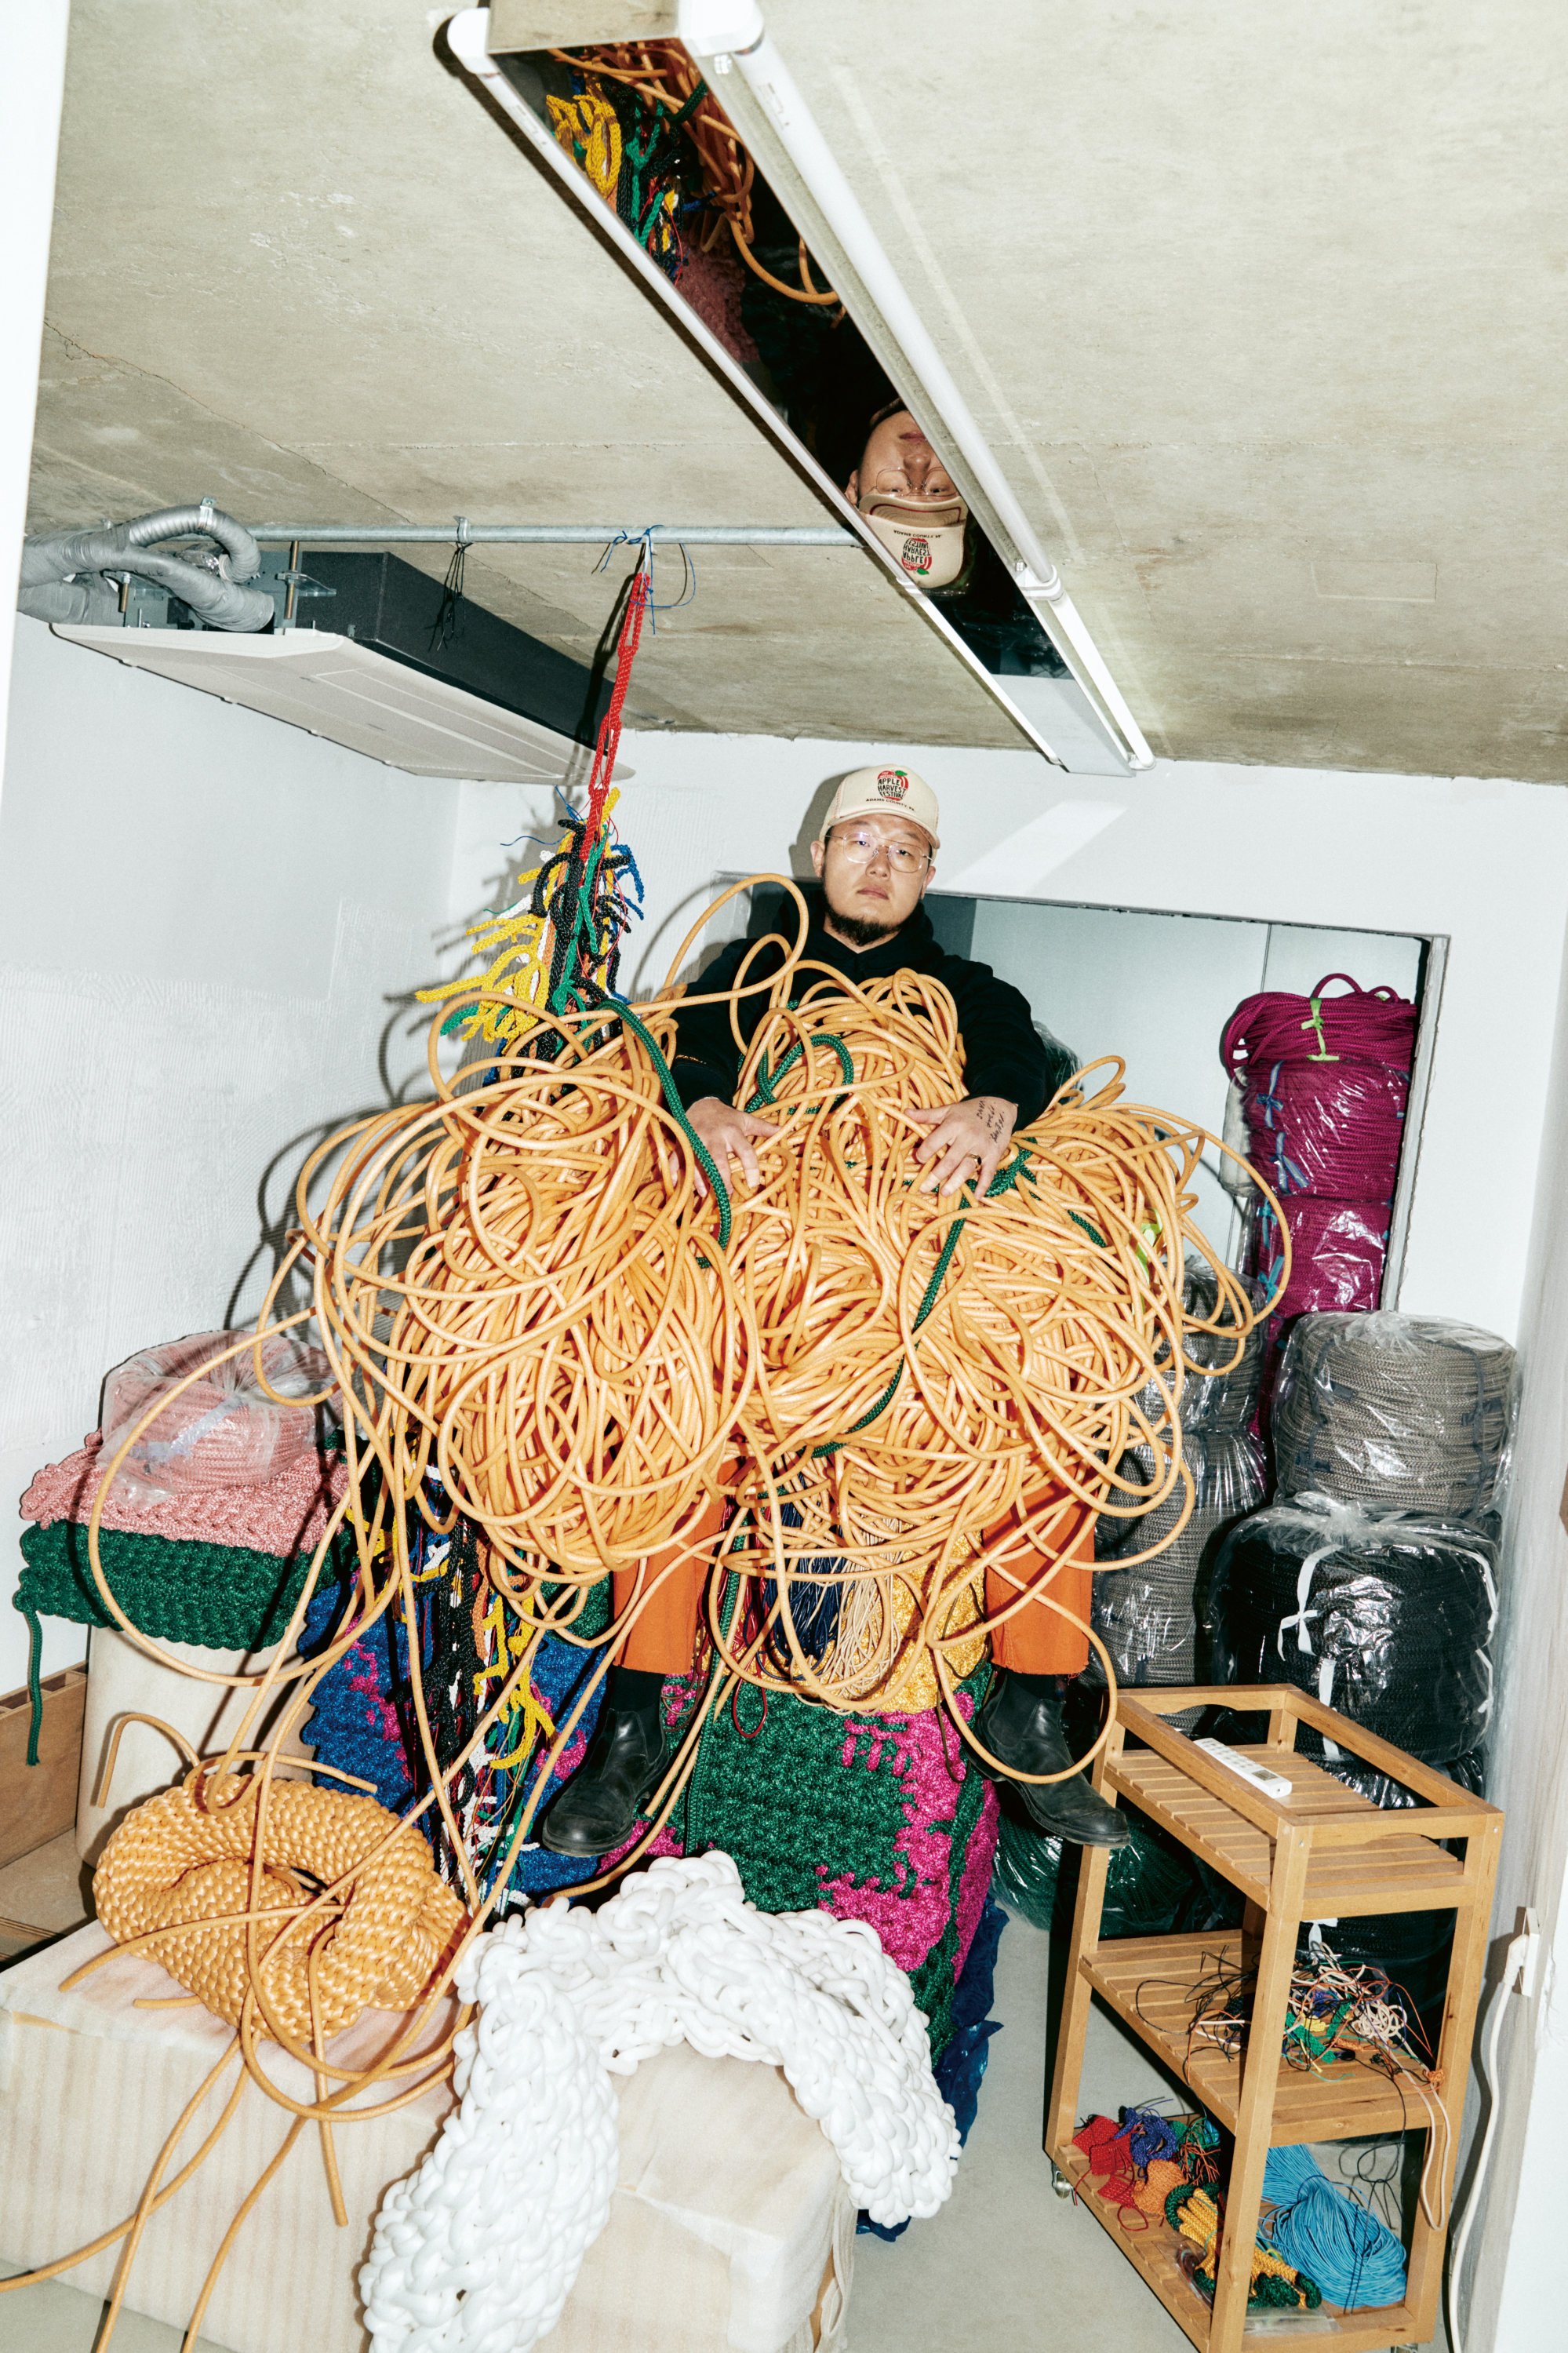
(626, 1763)
(1021, 1723)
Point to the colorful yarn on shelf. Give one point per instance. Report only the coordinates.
(1166, 2168)
(1146, 2156)
(1315, 2240)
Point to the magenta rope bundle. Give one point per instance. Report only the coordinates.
(1370, 1025)
(1324, 1083)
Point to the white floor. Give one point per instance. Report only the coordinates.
(1006, 2267)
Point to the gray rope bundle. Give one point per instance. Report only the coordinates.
(1410, 1412)
(1218, 1401)
(1146, 1616)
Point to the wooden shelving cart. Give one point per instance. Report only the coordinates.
(1321, 1853)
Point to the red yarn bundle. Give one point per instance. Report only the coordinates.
(1324, 1083)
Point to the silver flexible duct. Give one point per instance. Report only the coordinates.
(63, 572)
(180, 523)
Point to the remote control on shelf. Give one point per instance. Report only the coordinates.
(1273, 1785)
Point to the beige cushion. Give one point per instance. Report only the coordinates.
(731, 2227)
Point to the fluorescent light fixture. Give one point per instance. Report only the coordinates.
(467, 36)
(759, 93)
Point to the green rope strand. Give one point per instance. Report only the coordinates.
(35, 1677)
(767, 1080)
(1002, 1182)
(704, 1159)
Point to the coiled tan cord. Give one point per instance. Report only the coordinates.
(519, 1288)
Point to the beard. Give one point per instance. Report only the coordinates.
(860, 932)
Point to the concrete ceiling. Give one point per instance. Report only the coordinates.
(1262, 312)
(297, 267)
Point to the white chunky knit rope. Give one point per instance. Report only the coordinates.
(477, 2252)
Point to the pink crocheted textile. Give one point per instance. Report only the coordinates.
(285, 1516)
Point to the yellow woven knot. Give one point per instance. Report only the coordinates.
(1198, 2222)
(179, 1868)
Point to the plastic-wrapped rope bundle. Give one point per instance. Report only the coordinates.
(1145, 1615)
(1324, 1082)
(1384, 1793)
(1227, 1400)
(221, 1431)
(1386, 1616)
(1411, 1411)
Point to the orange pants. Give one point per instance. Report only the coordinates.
(1035, 1641)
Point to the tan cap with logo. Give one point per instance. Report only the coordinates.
(885, 792)
(925, 536)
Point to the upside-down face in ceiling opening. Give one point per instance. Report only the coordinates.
(653, 140)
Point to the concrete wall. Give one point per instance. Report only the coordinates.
(30, 92)
(206, 921)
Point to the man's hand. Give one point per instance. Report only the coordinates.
(730, 1136)
(966, 1139)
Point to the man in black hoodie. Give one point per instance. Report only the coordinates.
(874, 862)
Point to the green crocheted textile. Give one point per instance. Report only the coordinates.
(875, 1816)
(221, 1596)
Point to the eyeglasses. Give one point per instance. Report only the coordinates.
(860, 848)
(894, 481)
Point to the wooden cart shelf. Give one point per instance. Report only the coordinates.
(1357, 1865)
(1150, 1981)
(1153, 2253)
(1323, 1852)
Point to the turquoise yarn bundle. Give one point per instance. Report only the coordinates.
(1355, 2259)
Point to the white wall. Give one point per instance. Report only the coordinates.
(206, 920)
(1157, 990)
(1485, 863)
(1517, 2295)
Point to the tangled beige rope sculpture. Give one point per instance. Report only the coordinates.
(180, 1872)
(524, 1286)
(527, 1288)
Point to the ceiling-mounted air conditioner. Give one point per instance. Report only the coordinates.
(487, 701)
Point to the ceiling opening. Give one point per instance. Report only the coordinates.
(651, 139)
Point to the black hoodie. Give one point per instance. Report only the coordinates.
(1003, 1054)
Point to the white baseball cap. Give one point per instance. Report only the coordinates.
(924, 536)
(885, 792)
